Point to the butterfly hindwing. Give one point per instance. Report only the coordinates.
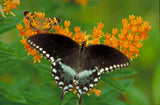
(52, 46)
(106, 58)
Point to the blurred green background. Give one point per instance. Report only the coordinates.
(18, 73)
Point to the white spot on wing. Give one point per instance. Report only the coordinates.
(54, 70)
(121, 65)
(29, 41)
(65, 88)
(52, 59)
(80, 91)
(110, 67)
(70, 86)
(47, 55)
(37, 46)
(91, 85)
(77, 87)
(96, 80)
(101, 70)
(85, 88)
(56, 78)
(99, 73)
(61, 83)
(40, 49)
(54, 64)
(106, 68)
(44, 52)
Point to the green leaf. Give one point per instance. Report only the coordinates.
(125, 83)
(111, 82)
(43, 67)
(5, 101)
(117, 102)
(8, 23)
(73, 101)
(67, 97)
(137, 96)
(122, 73)
(11, 93)
(5, 50)
(156, 86)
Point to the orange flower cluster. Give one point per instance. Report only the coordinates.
(130, 40)
(9, 5)
(27, 32)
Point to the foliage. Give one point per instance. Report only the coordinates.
(25, 83)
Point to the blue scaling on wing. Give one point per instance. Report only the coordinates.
(74, 65)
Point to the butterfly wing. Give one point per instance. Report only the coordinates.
(29, 15)
(40, 24)
(96, 60)
(52, 46)
(55, 21)
(106, 58)
(61, 51)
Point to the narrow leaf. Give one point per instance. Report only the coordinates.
(122, 73)
(11, 93)
(111, 82)
(8, 23)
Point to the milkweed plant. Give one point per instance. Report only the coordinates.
(25, 77)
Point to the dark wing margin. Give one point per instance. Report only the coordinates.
(52, 46)
(105, 58)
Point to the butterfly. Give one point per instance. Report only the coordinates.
(41, 23)
(75, 65)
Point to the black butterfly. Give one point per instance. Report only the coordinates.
(74, 65)
(39, 23)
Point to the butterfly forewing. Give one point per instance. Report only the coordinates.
(52, 46)
(105, 58)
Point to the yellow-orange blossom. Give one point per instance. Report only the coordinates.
(8, 5)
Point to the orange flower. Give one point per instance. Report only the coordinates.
(130, 39)
(9, 5)
(97, 92)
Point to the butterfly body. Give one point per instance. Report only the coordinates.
(76, 66)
